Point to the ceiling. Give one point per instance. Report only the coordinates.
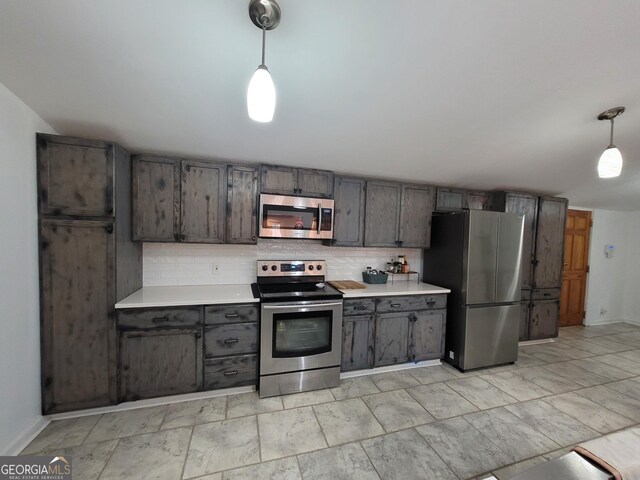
(484, 94)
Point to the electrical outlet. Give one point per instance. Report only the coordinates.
(216, 269)
(603, 311)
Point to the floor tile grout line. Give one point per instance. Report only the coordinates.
(320, 425)
(186, 456)
(104, 467)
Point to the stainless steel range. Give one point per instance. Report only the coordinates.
(300, 327)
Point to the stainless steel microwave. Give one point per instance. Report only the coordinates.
(295, 217)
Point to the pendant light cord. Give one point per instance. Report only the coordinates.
(610, 136)
(264, 39)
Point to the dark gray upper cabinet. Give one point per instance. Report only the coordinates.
(282, 180)
(75, 176)
(203, 202)
(427, 335)
(549, 249)
(382, 214)
(450, 200)
(357, 343)
(478, 200)
(156, 198)
(391, 338)
(348, 222)
(416, 209)
(242, 206)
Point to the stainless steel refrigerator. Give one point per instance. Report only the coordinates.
(477, 254)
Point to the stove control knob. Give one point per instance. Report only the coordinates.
(274, 268)
(310, 267)
(319, 267)
(264, 268)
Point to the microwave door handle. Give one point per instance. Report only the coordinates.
(319, 218)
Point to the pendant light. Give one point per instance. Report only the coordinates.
(610, 163)
(261, 94)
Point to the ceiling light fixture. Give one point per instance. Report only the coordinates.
(610, 163)
(261, 94)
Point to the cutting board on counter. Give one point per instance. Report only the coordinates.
(346, 284)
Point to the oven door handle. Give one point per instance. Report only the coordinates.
(298, 307)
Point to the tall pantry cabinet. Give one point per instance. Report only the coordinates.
(87, 264)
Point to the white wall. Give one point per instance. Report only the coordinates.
(19, 304)
(632, 277)
(181, 264)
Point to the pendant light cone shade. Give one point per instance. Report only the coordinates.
(610, 164)
(261, 96)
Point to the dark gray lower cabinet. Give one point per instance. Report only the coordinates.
(391, 338)
(427, 335)
(160, 362)
(544, 319)
(524, 321)
(227, 372)
(357, 342)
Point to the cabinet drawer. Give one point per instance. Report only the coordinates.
(526, 294)
(411, 302)
(359, 306)
(545, 294)
(230, 339)
(240, 313)
(159, 317)
(226, 372)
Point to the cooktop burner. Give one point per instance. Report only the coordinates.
(294, 280)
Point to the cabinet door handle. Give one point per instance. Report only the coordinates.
(431, 303)
(183, 238)
(231, 373)
(160, 320)
(108, 229)
(231, 315)
(395, 305)
(229, 341)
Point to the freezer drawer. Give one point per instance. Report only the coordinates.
(490, 336)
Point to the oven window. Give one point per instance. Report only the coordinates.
(284, 217)
(301, 334)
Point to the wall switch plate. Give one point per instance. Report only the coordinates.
(452, 355)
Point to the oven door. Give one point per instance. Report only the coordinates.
(298, 336)
(295, 217)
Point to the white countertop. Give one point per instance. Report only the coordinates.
(187, 295)
(397, 288)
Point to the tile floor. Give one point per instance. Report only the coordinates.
(429, 422)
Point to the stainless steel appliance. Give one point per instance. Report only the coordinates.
(477, 255)
(295, 217)
(300, 327)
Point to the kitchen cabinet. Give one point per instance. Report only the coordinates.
(427, 334)
(525, 315)
(544, 317)
(87, 263)
(357, 342)
(391, 338)
(478, 200)
(308, 182)
(449, 199)
(398, 215)
(178, 200)
(242, 204)
(549, 249)
(348, 222)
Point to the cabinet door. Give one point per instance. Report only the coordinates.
(525, 315)
(203, 202)
(156, 198)
(478, 201)
(527, 205)
(391, 339)
(160, 362)
(357, 343)
(382, 214)
(552, 215)
(450, 200)
(315, 183)
(242, 206)
(77, 315)
(427, 335)
(544, 318)
(348, 222)
(278, 180)
(75, 176)
(416, 209)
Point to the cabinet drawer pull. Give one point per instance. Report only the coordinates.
(431, 303)
(231, 373)
(546, 294)
(160, 320)
(229, 341)
(395, 305)
(231, 315)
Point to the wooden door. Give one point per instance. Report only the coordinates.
(549, 250)
(576, 267)
(427, 335)
(543, 321)
(75, 176)
(357, 343)
(77, 314)
(416, 209)
(160, 362)
(156, 198)
(315, 183)
(203, 202)
(450, 200)
(382, 214)
(348, 221)
(391, 338)
(242, 204)
(278, 180)
(527, 205)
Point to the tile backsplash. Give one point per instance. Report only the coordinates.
(190, 264)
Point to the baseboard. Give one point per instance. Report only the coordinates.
(632, 322)
(390, 368)
(606, 321)
(19, 444)
(536, 342)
